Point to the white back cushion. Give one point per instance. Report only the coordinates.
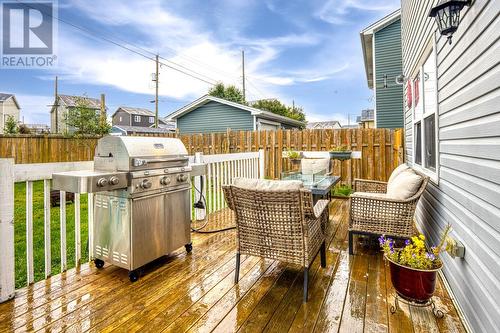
(268, 185)
(404, 185)
(397, 171)
(311, 166)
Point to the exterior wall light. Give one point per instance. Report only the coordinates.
(447, 14)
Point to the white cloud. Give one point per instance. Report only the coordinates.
(336, 11)
(35, 108)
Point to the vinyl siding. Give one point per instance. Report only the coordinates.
(468, 194)
(215, 117)
(389, 101)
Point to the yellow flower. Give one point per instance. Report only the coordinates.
(422, 237)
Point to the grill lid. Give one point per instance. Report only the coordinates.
(128, 153)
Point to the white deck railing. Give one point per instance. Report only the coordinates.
(220, 169)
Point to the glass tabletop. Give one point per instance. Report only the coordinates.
(317, 183)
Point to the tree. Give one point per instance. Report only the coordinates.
(10, 126)
(86, 120)
(230, 93)
(275, 106)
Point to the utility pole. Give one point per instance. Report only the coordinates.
(157, 79)
(243, 70)
(102, 118)
(293, 105)
(56, 105)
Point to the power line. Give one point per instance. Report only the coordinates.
(128, 48)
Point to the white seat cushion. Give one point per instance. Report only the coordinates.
(397, 171)
(310, 166)
(404, 185)
(268, 185)
(370, 195)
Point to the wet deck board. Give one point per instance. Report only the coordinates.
(195, 293)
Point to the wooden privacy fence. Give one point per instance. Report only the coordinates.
(382, 149)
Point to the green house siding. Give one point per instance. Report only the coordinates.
(215, 117)
(388, 61)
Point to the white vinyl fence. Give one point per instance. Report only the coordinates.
(220, 169)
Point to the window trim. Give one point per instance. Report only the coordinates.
(151, 120)
(137, 118)
(433, 175)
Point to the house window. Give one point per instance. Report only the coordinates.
(120, 118)
(151, 120)
(424, 108)
(137, 119)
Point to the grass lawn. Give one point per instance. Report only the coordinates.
(38, 233)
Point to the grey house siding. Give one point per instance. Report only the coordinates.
(143, 123)
(389, 101)
(125, 118)
(215, 117)
(468, 194)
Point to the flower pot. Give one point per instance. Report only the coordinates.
(416, 285)
(340, 155)
(295, 161)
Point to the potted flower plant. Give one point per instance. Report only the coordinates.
(340, 153)
(413, 268)
(294, 157)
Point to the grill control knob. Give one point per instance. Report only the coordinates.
(146, 183)
(101, 182)
(114, 180)
(165, 180)
(182, 178)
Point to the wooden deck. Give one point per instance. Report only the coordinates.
(195, 292)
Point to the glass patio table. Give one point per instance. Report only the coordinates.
(319, 184)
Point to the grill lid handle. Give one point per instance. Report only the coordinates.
(144, 161)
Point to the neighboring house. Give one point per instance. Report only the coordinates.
(332, 124)
(366, 120)
(349, 126)
(63, 105)
(212, 114)
(137, 117)
(453, 134)
(140, 130)
(381, 43)
(8, 107)
(38, 128)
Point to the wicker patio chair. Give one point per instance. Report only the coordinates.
(378, 215)
(279, 225)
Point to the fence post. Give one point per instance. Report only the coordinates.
(7, 278)
(262, 165)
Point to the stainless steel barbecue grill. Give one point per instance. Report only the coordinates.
(141, 200)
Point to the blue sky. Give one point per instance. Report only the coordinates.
(308, 51)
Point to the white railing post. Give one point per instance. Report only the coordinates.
(7, 276)
(62, 221)
(198, 213)
(46, 223)
(29, 233)
(90, 221)
(262, 165)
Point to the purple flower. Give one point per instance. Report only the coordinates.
(407, 242)
(381, 240)
(430, 256)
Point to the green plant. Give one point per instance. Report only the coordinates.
(414, 254)
(85, 120)
(10, 126)
(343, 190)
(230, 93)
(342, 148)
(293, 155)
(275, 106)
